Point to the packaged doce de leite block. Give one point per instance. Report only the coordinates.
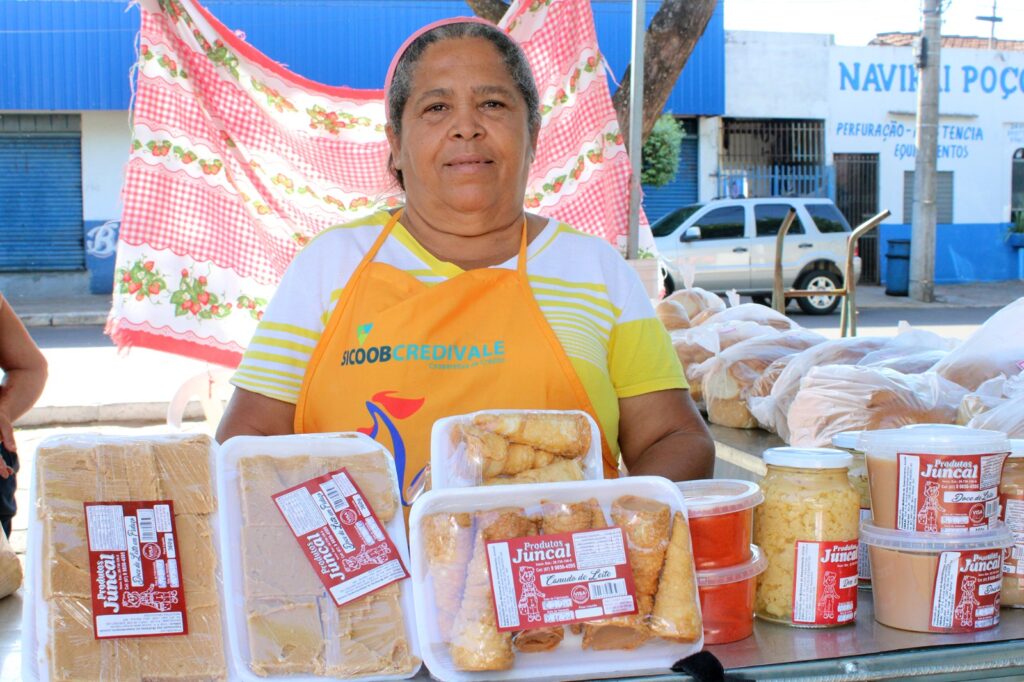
(315, 559)
(569, 580)
(123, 564)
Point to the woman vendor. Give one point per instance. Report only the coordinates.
(461, 301)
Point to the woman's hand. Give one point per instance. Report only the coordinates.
(663, 434)
(252, 414)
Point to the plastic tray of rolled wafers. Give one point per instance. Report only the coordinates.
(507, 447)
(283, 620)
(554, 581)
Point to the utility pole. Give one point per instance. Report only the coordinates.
(922, 242)
(636, 122)
(992, 20)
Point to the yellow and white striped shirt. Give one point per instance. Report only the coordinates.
(592, 299)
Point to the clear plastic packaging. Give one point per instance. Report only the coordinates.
(771, 410)
(59, 642)
(728, 376)
(1006, 415)
(807, 528)
(694, 299)
(997, 347)
(695, 345)
(281, 621)
(501, 447)
(934, 477)
(838, 398)
(746, 312)
(721, 512)
(450, 531)
(727, 598)
(1011, 502)
(936, 582)
(672, 314)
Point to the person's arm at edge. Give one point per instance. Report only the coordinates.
(662, 434)
(25, 372)
(252, 414)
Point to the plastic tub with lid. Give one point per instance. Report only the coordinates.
(807, 529)
(727, 598)
(721, 513)
(937, 582)
(935, 477)
(1011, 501)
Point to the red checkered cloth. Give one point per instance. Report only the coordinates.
(236, 163)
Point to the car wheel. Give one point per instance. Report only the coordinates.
(819, 280)
(670, 286)
(762, 300)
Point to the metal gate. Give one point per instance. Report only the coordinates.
(857, 199)
(773, 157)
(659, 201)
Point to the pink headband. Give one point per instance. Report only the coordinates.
(409, 41)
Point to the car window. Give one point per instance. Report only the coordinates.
(721, 223)
(666, 225)
(828, 218)
(769, 217)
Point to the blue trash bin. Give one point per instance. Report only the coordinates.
(897, 268)
(100, 253)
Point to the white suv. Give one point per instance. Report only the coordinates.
(731, 243)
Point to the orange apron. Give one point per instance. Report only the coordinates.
(397, 355)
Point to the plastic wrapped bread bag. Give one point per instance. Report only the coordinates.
(694, 299)
(728, 377)
(122, 560)
(698, 344)
(315, 559)
(838, 398)
(997, 347)
(771, 410)
(672, 314)
(505, 447)
(569, 580)
(747, 312)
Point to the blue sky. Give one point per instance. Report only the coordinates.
(855, 22)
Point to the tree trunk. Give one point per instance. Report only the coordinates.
(492, 10)
(671, 37)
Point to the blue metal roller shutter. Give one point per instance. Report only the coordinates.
(659, 201)
(41, 203)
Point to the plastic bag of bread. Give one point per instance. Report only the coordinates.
(694, 299)
(911, 351)
(998, 403)
(763, 385)
(502, 447)
(770, 411)
(982, 399)
(746, 312)
(10, 568)
(997, 347)
(1007, 417)
(489, 568)
(697, 344)
(315, 560)
(837, 398)
(672, 314)
(93, 498)
(728, 377)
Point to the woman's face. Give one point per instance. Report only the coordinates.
(465, 144)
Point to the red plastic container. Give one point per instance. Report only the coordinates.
(727, 598)
(721, 513)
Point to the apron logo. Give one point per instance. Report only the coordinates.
(362, 331)
(382, 407)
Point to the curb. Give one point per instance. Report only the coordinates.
(67, 415)
(74, 319)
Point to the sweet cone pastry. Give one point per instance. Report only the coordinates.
(567, 435)
(476, 644)
(448, 543)
(559, 470)
(557, 518)
(675, 615)
(646, 525)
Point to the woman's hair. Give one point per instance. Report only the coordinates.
(512, 54)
